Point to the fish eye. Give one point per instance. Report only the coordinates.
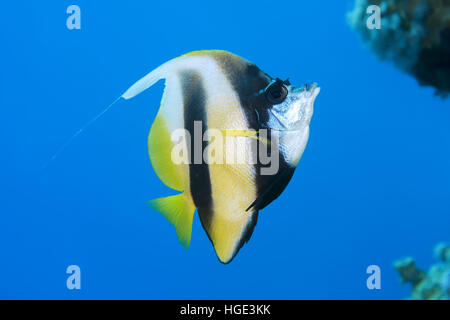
(276, 93)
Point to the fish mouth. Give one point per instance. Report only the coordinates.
(309, 93)
(312, 89)
(298, 113)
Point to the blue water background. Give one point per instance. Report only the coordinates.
(372, 186)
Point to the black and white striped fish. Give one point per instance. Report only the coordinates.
(228, 93)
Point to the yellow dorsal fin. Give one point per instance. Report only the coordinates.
(159, 149)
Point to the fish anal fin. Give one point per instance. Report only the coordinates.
(179, 210)
(228, 237)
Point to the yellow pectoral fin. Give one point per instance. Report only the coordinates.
(179, 210)
(253, 134)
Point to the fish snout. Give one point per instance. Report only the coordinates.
(313, 90)
(308, 90)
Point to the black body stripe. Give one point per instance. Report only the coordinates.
(246, 79)
(249, 82)
(194, 110)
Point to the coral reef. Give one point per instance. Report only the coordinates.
(431, 285)
(414, 34)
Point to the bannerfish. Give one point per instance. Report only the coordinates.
(224, 92)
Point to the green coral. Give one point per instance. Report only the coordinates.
(414, 34)
(431, 285)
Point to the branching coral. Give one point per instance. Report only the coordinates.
(431, 285)
(414, 34)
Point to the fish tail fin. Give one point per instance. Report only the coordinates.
(179, 210)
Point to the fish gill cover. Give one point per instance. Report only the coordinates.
(414, 34)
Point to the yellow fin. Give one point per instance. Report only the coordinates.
(246, 133)
(179, 210)
(159, 149)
